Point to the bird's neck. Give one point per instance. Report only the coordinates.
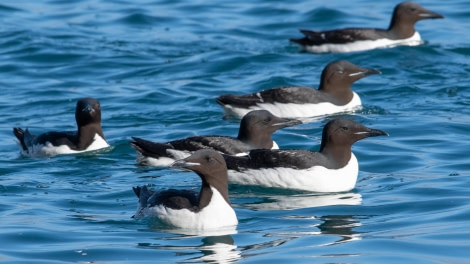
(341, 93)
(339, 155)
(87, 133)
(257, 140)
(401, 30)
(206, 193)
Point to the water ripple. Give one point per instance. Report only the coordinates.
(157, 67)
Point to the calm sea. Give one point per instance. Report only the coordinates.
(157, 66)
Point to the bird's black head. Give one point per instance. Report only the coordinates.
(406, 14)
(343, 132)
(338, 76)
(88, 111)
(257, 126)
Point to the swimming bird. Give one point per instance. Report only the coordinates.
(208, 209)
(400, 32)
(89, 135)
(333, 95)
(256, 129)
(333, 169)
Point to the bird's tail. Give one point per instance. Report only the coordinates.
(19, 134)
(143, 193)
(148, 148)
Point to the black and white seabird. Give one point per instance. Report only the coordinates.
(400, 32)
(208, 209)
(256, 129)
(334, 95)
(333, 169)
(89, 135)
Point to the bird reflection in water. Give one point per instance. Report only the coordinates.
(340, 225)
(215, 246)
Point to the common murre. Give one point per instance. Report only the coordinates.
(256, 129)
(89, 135)
(208, 209)
(333, 95)
(333, 169)
(400, 32)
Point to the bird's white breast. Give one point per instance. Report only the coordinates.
(164, 161)
(292, 110)
(49, 150)
(315, 179)
(174, 155)
(364, 45)
(218, 213)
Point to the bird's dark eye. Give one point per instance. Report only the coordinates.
(345, 128)
(413, 9)
(267, 120)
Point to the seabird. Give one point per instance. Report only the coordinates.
(400, 32)
(208, 209)
(334, 95)
(333, 169)
(89, 135)
(256, 129)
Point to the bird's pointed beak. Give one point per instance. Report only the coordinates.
(183, 163)
(372, 133)
(286, 122)
(365, 72)
(427, 14)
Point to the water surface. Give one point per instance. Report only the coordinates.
(157, 67)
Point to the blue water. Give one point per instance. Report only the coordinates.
(157, 67)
